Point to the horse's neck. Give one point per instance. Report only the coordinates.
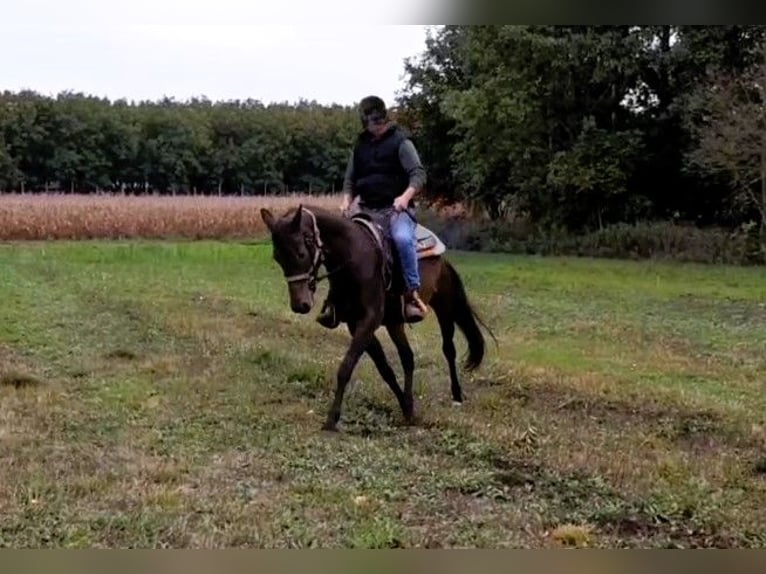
(336, 233)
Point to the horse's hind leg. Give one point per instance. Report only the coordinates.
(399, 337)
(378, 356)
(447, 327)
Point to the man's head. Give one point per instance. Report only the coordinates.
(373, 115)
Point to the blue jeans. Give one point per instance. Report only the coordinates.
(403, 235)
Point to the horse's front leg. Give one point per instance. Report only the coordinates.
(362, 334)
(406, 356)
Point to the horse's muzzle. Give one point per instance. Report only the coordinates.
(301, 307)
(301, 298)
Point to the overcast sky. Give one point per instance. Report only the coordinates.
(224, 49)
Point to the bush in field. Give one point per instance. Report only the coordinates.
(658, 240)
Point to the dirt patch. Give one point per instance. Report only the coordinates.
(369, 418)
(15, 371)
(18, 380)
(582, 498)
(121, 354)
(760, 466)
(557, 397)
(693, 429)
(635, 522)
(704, 432)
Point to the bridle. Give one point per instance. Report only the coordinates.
(312, 240)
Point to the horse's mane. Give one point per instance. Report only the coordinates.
(337, 222)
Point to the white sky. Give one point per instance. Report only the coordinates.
(331, 51)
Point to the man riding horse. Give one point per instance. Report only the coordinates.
(365, 275)
(385, 172)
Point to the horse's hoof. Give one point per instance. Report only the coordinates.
(409, 415)
(411, 419)
(330, 427)
(457, 403)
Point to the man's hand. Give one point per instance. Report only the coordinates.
(403, 201)
(345, 205)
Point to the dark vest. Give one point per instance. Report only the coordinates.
(378, 176)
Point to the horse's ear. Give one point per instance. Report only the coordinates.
(268, 218)
(296, 221)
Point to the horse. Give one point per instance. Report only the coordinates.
(367, 292)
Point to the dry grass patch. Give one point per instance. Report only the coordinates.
(577, 535)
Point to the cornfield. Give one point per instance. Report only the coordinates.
(62, 216)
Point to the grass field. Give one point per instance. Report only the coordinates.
(162, 395)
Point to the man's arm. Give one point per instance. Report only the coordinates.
(348, 184)
(410, 160)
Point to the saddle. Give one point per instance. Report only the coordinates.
(428, 243)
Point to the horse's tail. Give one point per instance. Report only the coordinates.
(468, 321)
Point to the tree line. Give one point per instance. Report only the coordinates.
(80, 143)
(579, 127)
(573, 127)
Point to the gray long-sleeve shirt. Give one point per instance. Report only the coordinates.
(411, 163)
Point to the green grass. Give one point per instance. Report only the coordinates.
(163, 395)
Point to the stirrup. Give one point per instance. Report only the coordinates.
(411, 300)
(419, 302)
(328, 317)
(413, 318)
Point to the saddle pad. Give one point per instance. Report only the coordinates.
(428, 243)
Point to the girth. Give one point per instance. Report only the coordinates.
(383, 243)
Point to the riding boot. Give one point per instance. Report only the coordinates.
(327, 316)
(414, 308)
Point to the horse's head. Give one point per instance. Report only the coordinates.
(297, 250)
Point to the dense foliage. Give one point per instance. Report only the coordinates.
(583, 126)
(82, 143)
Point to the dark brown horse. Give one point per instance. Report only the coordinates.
(305, 238)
